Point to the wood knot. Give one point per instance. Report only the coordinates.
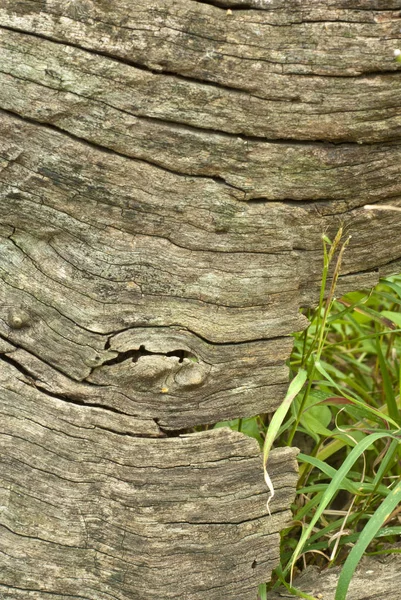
(190, 375)
(18, 318)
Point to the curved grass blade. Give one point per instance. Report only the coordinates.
(292, 590)
(298, 593)
(332, 490)
(392, 285)
(367, 312)
(366, 536)
(388, 387)
(368, 409)
(386, 462)
(294, 388)
(351, 486)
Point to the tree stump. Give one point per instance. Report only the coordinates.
(167, 172)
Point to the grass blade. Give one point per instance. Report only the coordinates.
(388, 388)
(351, 486)
(368, 409)
(332, 488)
(294, 388)
(366, 536)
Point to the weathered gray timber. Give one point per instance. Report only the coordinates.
(91, 510)
(167, 170)
(376, 578)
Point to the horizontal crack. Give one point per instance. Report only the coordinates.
(131, 63)
(108, 150)
(39, 539)
(43, 591)
(261, 5)
(136, 354)
(197, 80)
(31, 379)
(197, 335)
(181, 125)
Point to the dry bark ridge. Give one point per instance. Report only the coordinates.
(167, 172)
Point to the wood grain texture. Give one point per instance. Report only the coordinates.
(92, 510)
(167, 171)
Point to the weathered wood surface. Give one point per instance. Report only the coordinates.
(376, 578)
(91, 511)
(167, 172)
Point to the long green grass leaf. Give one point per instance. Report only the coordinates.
(346, 484)
(386, 462)
(262, 595)
(298, 593)
(366, 536)
(362, 405)
(388, 387)
(294, 388)
(396, 288)
(332, 489)
(276, 422)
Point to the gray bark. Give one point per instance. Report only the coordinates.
(92, 507)
(167, 173)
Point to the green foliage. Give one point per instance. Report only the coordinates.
(344, 408)
(294, 388)
(250, 427)
(367, 534)
(348, 483)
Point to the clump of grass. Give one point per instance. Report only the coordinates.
(344, 407)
